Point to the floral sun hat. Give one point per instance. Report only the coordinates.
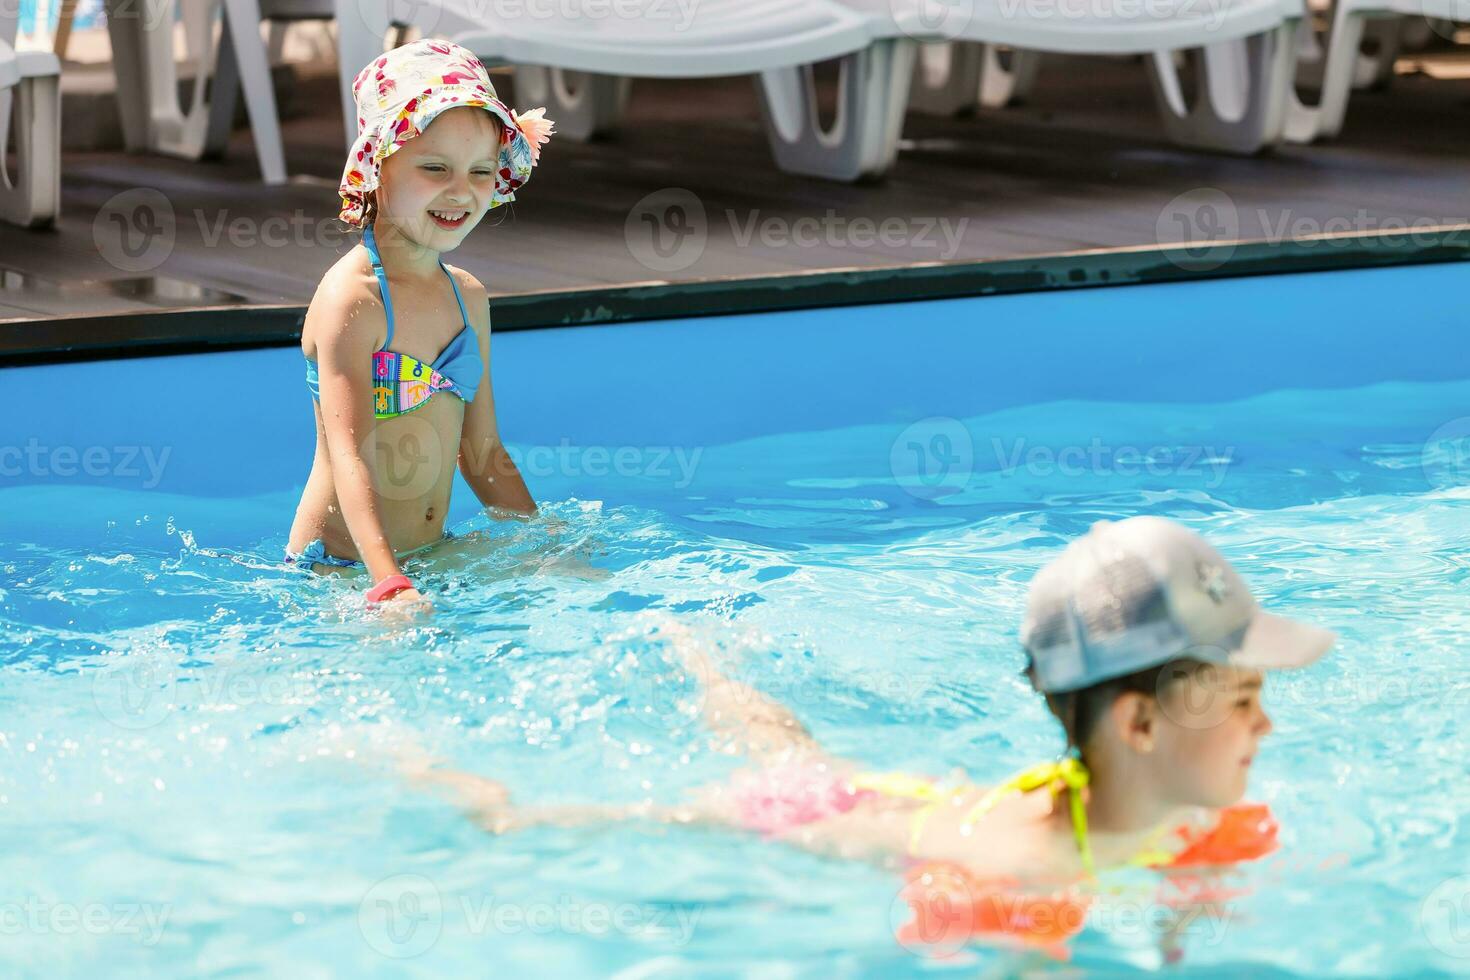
(400, 93)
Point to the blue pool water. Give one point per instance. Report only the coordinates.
(88, 13)
(847, 505)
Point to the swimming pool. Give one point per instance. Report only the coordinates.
(849, 502)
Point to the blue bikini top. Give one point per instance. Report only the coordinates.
(402, 383)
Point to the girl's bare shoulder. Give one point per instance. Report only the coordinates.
(346, 299)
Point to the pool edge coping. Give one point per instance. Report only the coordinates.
(217, 328)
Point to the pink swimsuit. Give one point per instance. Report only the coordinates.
(780, 798)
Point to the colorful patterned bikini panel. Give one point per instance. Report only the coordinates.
(402, 384)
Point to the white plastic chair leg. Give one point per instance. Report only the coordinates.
(1376, 69)
(584, 105)
(951, 78)
(125, 31)
(171, 130)
(1001, 84)
(1387, 36)
(275, 45)
(1243, 91)
(872, 92)
(32, 197)
(237, 58)
(947, 77)
(358, 43)
(1324, 120)
(243, 55)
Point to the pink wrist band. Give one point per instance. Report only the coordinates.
(389, 587)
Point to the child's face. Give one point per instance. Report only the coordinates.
(449, 168)
(1208, 727)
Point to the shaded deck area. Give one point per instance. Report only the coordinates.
(1081, 165)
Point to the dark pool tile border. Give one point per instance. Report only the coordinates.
(199, 330)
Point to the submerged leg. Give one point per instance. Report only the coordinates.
(745, 721)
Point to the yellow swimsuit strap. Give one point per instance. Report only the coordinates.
(1067, 774)
(904, 786)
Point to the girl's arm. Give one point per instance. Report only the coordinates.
(486, 466)
(346, 338)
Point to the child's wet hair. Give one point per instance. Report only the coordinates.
(369, 208)
(1079, 711)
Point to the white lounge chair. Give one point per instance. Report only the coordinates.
(950, 78)
(30, 91)
(1244, 50)
(236, 56)
(1244, 53)
(1344, 67)
(579, 66)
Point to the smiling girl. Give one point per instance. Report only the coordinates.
(397, 343)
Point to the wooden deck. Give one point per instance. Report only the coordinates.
(1082, 165)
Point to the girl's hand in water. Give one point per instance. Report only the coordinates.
(408, 604)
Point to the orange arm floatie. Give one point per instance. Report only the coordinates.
(1244, 832)
(952, 907)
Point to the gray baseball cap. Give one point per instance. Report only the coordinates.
(1138, 593)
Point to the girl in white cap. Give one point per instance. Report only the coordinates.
(400, 379)
(1148, 649)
